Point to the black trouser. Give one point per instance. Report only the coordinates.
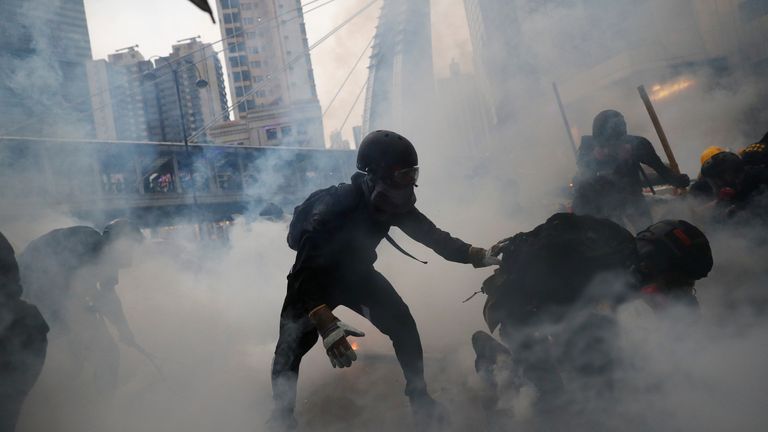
(638, 213)
(18, 373)
(369, 294)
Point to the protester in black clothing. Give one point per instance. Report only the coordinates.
(71, 275)
(553, 296)
(610, 152)
(335, 233)
(731, 187)
(23, 341)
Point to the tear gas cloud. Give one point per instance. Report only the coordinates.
(210, 315)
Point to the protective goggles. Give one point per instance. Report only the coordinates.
(405, 177)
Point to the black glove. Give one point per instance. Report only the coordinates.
(682, 181)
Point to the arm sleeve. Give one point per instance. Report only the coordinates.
(647, 155)
(317, 252)
(420, 228)
(108, 303)
(310, 276)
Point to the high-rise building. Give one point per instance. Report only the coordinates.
(494, 29)
(135, 99)
(270, 72)
(124, 103)
(357, 134)
(338, 142)
(45, 46)
(400, 86)
(461, 104)
(192, 62)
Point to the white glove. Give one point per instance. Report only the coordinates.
(480, 257)
(339, 350)
(334, 333)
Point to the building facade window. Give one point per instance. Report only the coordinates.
(230, 4)
(256, 64)
(271, 134)
(236, 47)
(751, 10)
(286, 131)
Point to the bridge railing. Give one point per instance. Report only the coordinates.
(82, 174)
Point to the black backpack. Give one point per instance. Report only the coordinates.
(327, 205)
(317, 206)
(553, 265)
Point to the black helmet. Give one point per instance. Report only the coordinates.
(721, 165)
(609, 125)
(675, 246)
(384, 151)
(10, 281)
(123, 229)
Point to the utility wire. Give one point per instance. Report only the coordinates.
(288, 65)
(179, 59)
(349, 75)
(352, 108)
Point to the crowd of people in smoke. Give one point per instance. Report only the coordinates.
(557, 296)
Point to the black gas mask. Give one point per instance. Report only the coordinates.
(392, 192)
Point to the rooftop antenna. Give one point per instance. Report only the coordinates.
(130, 48)
(190, 39)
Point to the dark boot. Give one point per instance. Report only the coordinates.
(281, 420)
(428, 414)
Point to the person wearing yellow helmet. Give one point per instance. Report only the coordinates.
(729, 181)
(721, 171)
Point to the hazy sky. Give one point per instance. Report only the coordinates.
(156, 25)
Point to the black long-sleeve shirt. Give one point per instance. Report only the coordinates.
(343, 240)
(52, 263)
(621, 160)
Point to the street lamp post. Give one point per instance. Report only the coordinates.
(200, 84)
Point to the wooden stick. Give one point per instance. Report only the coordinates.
(659, 130)
(565, 119)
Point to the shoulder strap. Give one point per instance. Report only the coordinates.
(401, 250)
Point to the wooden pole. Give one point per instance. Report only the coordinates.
(659, 130)
(565, 119)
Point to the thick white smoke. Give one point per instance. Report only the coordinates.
(210, 314)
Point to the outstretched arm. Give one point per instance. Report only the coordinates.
(424, 231)
(108, 304)
(418, 227)
(646, 155)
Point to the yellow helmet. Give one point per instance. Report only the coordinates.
(709, 152)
